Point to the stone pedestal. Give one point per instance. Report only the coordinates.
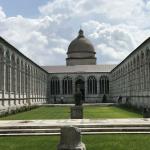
(71, 139)
(77, 112)
(146, 113)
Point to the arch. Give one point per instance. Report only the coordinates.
(36, 82)
(80, 78)
(55, 86)
(104, 85)
(80, 86)
(22, 78)
(147, 54)
(1, 69)
(1, 54)
(134, 62)
(142, 58)
(28, 81)
(67, 85)
(18, 75)
(32, 80)
(7, 78)
(128, 66)
(13, 73)
(138, 60)
(26, 78)
(92, 85)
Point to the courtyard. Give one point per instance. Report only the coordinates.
(90, 112)
(58, 114)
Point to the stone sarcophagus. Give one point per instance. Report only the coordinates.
(70, 139)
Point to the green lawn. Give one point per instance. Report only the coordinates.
(58, 112)
(93, 142)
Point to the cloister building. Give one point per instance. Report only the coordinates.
(24, 82)
(21, 80)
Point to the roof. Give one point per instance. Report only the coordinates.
(79, 68)
(81, 45)
(134, 51)
(21, 54)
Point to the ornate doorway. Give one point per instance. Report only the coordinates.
(79, 84)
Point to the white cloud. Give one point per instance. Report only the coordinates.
(31, 36)
(115, 28)
(113, 42)
(2, 14)
(128, 11)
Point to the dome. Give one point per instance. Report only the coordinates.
(81, 44)
(81, 51)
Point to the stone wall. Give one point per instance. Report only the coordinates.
(22, 82)
(69, 98)
(80, 61)
(130, 80)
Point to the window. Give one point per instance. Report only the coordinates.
(67, 86)
(92, 85)
(13, 73)
(22, 78)
(7, 82)
(104, 85)
(26, 78)
(28, 81)
(1, 70)
(55, 86)
(18, 76)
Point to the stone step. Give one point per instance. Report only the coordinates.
(87, 126)
(83, 133)
(86, 130)
(79, 126)
(11, 131)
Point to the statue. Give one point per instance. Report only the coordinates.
(77, 110)
(78, 97)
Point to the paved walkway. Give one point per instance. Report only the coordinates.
(84, 104)
(87, 126)
(75, 122)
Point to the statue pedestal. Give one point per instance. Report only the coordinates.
(77, 112)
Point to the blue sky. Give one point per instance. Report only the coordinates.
(43, 29)
(26, 8)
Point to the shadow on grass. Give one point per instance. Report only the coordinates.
(130, 108)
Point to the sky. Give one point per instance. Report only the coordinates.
(43, 29)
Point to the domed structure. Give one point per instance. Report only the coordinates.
(81, 51)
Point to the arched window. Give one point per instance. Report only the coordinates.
(134, 62)
(22, 78)
(1, 70)
(147, 54)
(92, 85)
(26, 78)
(104, 85)
(36, 82)
(18, 76)
(28, 81)
(67, 86)
(13, 73)
(55, 86)
(32, 80)
(7, 79)
(142, 58)
(138, 61)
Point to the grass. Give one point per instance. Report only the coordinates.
(90, 112)
(92, 142)
(110, 112)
